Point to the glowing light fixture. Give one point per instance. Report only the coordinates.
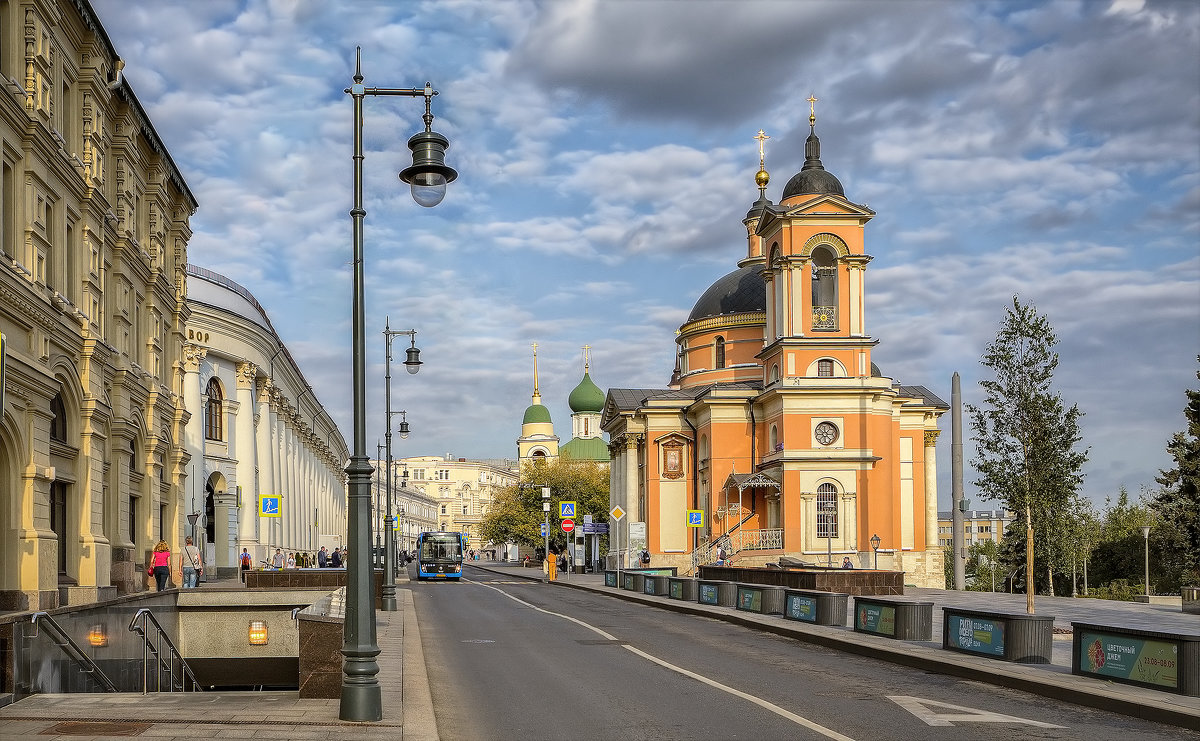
(258, 633)
(97, 636)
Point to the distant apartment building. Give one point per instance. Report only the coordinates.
(978, 526)
(462, 489)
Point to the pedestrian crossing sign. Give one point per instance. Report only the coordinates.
(566, 510)
(268, 505)
(695, 518)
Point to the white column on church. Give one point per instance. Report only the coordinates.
(931, 518)
(193, 436)
(262, 463)
(244, 453)
(275, 534)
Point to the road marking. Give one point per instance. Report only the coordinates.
(923, 709)
(797, 719)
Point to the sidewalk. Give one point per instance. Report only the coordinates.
(179, 716)
(1052, 680)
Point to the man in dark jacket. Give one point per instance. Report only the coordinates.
(322, 558)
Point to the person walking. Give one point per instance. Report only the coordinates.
(277, 560)
(335, 560)
(160, 565)
(322, 558)
(244, 561)
(192, 563)
(291, 561)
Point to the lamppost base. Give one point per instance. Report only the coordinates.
(388, 604)
(361, 703)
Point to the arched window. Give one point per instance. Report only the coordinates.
(825, 368)
(824, 288)
(774, 372)
(58, 419)
(214, 428)
(827, 515)
(773, 439)
(720, 352)
(133, 456)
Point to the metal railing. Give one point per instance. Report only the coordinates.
(165, 662)
(71, 649)
(706, 553)
(757, 540)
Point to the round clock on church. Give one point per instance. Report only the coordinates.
(826, 433)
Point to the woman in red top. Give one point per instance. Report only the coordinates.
(160, 565)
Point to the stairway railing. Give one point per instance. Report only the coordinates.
(72, 649)
(154, 638)
(704, 554)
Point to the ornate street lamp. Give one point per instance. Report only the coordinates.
(361, 697)
(875, 547)
(413, 364)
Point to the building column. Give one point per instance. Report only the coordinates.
(264, 481)
(244, 446)
(931, 519)
(193, 401)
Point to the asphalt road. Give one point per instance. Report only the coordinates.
(521, 660)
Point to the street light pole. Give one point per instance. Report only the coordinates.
(1146, 536)
(413, 364)
(875, 547)
(546, 511)
(361, 695)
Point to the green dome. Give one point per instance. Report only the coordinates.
(536, 414)
(587, 396)
(585, 449)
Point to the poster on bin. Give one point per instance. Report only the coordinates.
(976, 635)
(1125, 657)
(876, 619)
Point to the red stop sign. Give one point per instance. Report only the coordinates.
(568, 525)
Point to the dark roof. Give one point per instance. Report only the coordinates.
(920, 392)
(813, 182)
(741, 291)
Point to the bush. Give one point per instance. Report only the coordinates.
(1118, 589)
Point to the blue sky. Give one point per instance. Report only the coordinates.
(606, 158)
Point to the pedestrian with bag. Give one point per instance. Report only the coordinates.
(160, 565)
(244, 561)
(192, 563)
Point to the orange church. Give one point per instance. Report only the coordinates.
(777, 432)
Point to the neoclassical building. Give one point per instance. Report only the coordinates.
(462, 489)
(776, 424)
(94, 227)
(256, 429)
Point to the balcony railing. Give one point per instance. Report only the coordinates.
(757, 540)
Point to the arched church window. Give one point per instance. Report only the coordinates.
(824, 288)
(827, 517)
(720, 352)
(774, 372)
(825, 368)
(133, 456)
(773, 439)
(214, 428)
(58, 419)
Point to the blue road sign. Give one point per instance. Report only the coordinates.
(566, 509)
(543, 528)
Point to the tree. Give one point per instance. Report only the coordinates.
(1120, 553)
(1177, 502)
(1026, 439)
(984, 569)
(516, 513)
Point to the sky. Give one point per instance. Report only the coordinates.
(606, 158)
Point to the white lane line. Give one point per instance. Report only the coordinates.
(797, 719)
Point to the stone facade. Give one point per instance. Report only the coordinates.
(94, 227)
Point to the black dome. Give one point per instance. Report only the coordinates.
(741, 291)
(813, 182)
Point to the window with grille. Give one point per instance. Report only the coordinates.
(720, 349)
(827, 524)
(825, 369)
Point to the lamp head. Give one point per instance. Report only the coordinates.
(412, 358)
(875, 539)
(403, 429)
(429, 174)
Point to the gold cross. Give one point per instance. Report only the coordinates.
(585, 356)
(762, 138)
(812, 108)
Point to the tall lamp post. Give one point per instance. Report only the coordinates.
(412, 363)
(875, 547)
(546, 529)
(361, 696)
(1146, 537)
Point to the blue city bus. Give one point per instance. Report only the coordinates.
(439, 555)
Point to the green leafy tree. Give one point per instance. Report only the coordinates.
(984, 570)
(1026, 439)
(1177, 502)
(516, 513)
(1121, 551)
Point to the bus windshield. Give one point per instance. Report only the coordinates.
(444, 547)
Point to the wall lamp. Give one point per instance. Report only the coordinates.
(258, 633)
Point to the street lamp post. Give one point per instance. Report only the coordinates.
(546, 529)
(875, 547)
(1146, 537)
(412, 363)
(361, 695)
